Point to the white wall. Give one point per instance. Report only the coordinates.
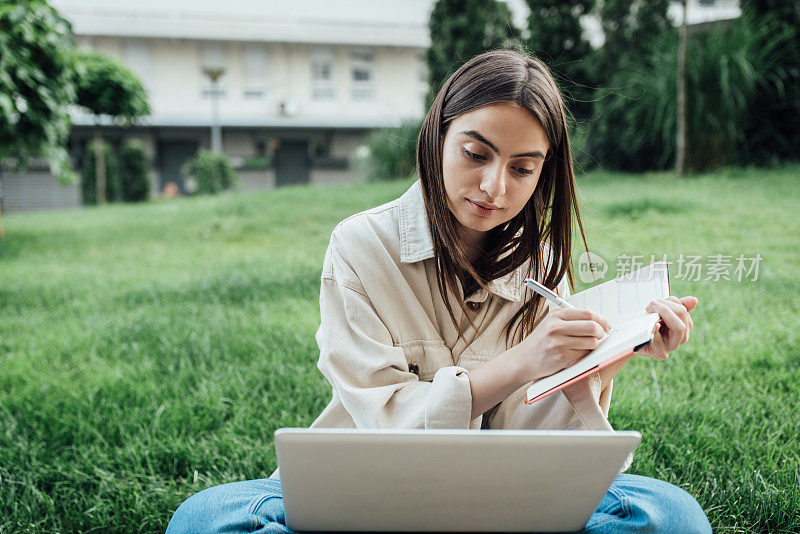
(171, 70)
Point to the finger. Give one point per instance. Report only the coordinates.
(675, 304)
(577, 314)
(581, 328)
(675, 326)
(690, 302)
(583, 343)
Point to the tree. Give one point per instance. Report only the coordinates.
(556, 37)
(133, 171)
(106, 87)
(36, 85)
(727, 68)
(772, 126)
(630, 27)
(462, 29)
(680, 141)
(89, 174)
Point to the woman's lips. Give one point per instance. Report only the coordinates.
(480, 210)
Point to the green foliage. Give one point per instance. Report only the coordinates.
(786, 11)
(631, 28)
(107, 87)
(36, 85)
(727, 70)
(772, 127)
(634, 126)
(212, 172)
(556, 37)
(462, 29)
(88, 174)
(393, 151)
(133, 167)
(741, 81)
(257, 162)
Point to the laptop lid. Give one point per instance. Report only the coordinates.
(446, 480)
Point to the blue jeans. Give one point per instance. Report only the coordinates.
(633, 504)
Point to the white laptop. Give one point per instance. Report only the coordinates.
(446, 480)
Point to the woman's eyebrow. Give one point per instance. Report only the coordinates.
(482, 139)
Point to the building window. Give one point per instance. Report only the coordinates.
(707, 2)
(362, 76)
(322, 75)
(254, 61)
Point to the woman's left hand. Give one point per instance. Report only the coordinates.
(676, 324)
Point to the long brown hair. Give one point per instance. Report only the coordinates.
(489, 78)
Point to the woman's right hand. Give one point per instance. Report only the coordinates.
(563, 337)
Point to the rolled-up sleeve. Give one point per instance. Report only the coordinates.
(370, 373)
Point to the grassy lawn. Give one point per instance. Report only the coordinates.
(148, 352)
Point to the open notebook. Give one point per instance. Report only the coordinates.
(622, 302)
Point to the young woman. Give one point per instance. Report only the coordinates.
(425, 322)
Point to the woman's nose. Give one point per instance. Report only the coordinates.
(494, 181)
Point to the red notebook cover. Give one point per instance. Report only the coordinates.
(581, 376)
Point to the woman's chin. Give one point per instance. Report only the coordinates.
(481, 225)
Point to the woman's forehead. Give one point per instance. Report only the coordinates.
(507, 126)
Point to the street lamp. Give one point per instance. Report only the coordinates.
(214, 74)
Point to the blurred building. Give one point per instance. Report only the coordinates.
(302, 82)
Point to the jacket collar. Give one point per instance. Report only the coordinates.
(416, 244)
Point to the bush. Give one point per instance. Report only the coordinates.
(634, 121)
(727, 70)
(212, 172)
(88, 174)
(133, 169)
(393, 151)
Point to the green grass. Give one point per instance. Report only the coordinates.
(147, 352)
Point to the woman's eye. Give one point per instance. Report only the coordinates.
(473, 155)
(523, 171)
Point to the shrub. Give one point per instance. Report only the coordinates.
(727, 69)
(133, 169)
(393, 151)
(212, 172)
(88, 176)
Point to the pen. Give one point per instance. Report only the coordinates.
(555, 299)
(546, 293)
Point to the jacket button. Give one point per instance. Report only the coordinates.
(474, 306)
(414, 368)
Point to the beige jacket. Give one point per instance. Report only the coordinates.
(389, 348)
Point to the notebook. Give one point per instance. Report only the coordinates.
(622, 301)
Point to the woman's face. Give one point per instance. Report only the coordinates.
(492, 160)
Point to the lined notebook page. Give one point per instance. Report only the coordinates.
(624, 339)
(625, 298)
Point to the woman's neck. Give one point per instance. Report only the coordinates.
(474, 241)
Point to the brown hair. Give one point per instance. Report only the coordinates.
(489, 78)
